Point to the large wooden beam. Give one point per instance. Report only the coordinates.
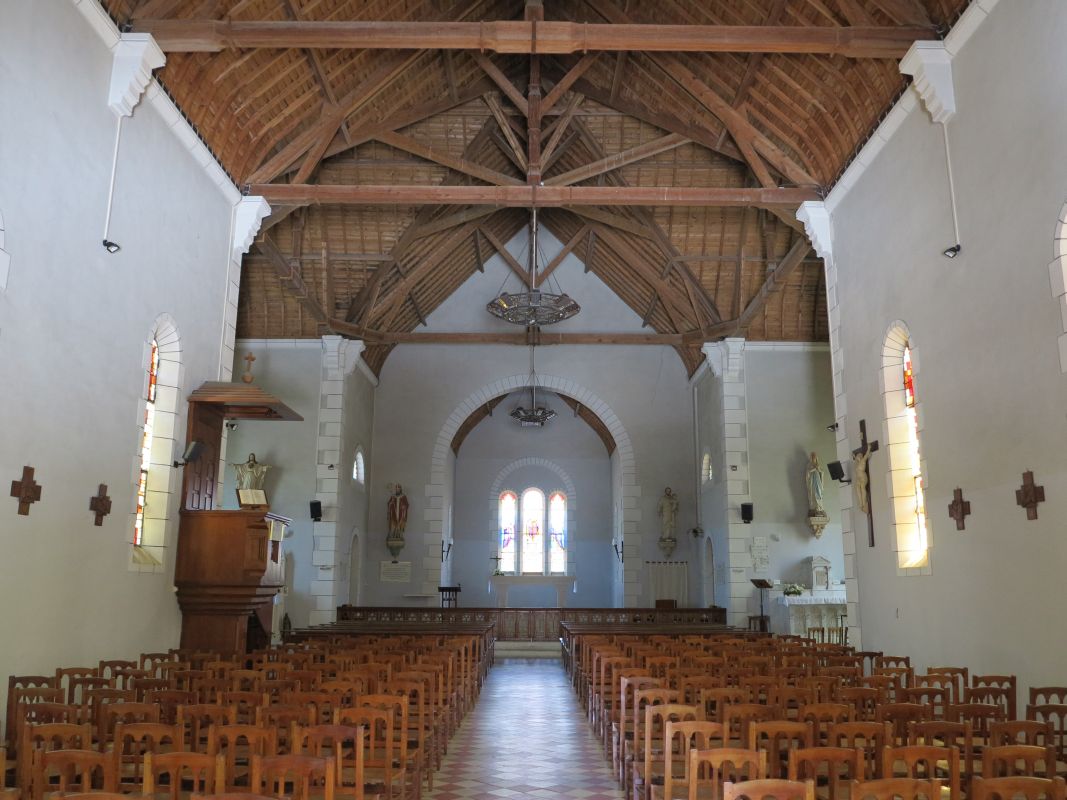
(517, 338)
(518, 36)
(291, 278)
(459, 164)
(531, 196)
(619, 160)
(774, 281)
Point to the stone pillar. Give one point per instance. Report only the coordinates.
(727, 361)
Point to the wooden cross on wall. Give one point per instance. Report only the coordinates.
(100, 505)
(27, 491)
(1029, 495)
(959, 509)
(862, 476)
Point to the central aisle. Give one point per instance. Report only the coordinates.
(527, 737)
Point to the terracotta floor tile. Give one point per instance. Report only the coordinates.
(526, 739)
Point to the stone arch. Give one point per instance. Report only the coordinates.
(625, 486)
(1057, 276)
(162, 484)
(900, 481)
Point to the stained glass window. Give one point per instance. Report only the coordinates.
(508, 514)
(557, 533)
(146, 443)
(918, 554)
(533, 531)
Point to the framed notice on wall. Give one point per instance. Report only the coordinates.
(394, 572)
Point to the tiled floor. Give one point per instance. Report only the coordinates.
(526, 739)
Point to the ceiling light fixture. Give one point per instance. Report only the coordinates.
(111, 247)
(952, 252)
(533, 307)
(535, 416)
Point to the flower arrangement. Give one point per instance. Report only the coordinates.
(792, 590)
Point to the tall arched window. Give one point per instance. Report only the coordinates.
(904, 432)
(507, 517)
(533, 531)
(359, 470)
(146, 442)
(533, 534)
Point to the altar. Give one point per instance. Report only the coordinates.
(823, 608)
(501, 584)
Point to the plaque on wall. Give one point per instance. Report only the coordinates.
(395, 572)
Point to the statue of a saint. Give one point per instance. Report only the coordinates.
(668, 511)
(251, 473)
(398, 511)
(860, 478)
(813, 477)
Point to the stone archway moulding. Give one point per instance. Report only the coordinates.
(626, 488)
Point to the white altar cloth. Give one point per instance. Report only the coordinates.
(821, 599)
(500, 584)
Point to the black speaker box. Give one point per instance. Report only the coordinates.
(316, 511)
(746, 513)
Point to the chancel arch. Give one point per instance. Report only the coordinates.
(624, 479)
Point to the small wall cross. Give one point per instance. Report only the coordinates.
(1028, 495)
(27, 491)
(959, 509)
(100, 505)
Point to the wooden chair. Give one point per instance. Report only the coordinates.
(649, 769)
(408, 758)
(768, 788)
(679, 738)
(895, 789)
(45, 737)
(864, 701)
(21, 682)
(900, 716)
(172, 774)
(634, 750)
(382, 771)
(629, 684)
(715, 701)
(345, 744)
(1012, 760)
(960, 677)
(195, 721)
(308, 776)
(869, 737)
(925, 762)
(981, 716)
(739, 716)
(822, 717)
(1022, 731)
(168, 701)
(777, 738)
(1048, 695)
(112, 714)
(1056, 716)
(834, 766)
(709, 769)
(236, 745)
(281, 718)
(64, 771)
(936, 698)
(132, 741)
(1016, 788)
(65, 676)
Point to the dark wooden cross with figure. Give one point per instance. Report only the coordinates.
(959, 509)
(100, 505)
(1028, 495)
(27, 491)
(861, 476)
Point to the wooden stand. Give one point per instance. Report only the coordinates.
(762, 621)
(228, 566)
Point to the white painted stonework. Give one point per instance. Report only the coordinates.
(248, 215)
(135, 55)
(5, 257)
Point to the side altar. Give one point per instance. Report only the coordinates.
(822, 606)
(228, 565)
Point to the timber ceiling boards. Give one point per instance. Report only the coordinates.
(735, 122)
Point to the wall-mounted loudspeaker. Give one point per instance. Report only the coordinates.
(837, 471)
(746, 513)
(316, 511)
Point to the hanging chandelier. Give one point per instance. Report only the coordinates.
(533, 306)
(535, 416)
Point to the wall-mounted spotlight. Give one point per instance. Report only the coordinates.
(192, 452)
(832, 427)
(445, 551)
(231, 426)
(111, 247)
(952, 252)
(618, 551)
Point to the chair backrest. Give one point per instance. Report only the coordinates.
(196, 720)
(231, 742)
(307, 775)
(895, 789)
(870, 737)
(769, 788)
(1017, 788)
(112, 714)
(709, 769)
(72, 770)
(1010, 760)
(924, 762)
(822, 717)
(864, 701)
(170, 772)
(48, 736)
(1022, 731)
(836, 765)
(777, 738)
(1048, 695)
(900, 716)
(345, 744)
(1056, 715)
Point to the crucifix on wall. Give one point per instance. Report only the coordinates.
(861, 479)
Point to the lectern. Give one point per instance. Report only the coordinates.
(763, 585)
(228, 565)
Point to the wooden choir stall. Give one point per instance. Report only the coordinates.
(228, 565)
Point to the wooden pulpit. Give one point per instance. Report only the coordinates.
(228, 566)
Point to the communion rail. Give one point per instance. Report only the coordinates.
(532, 624)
